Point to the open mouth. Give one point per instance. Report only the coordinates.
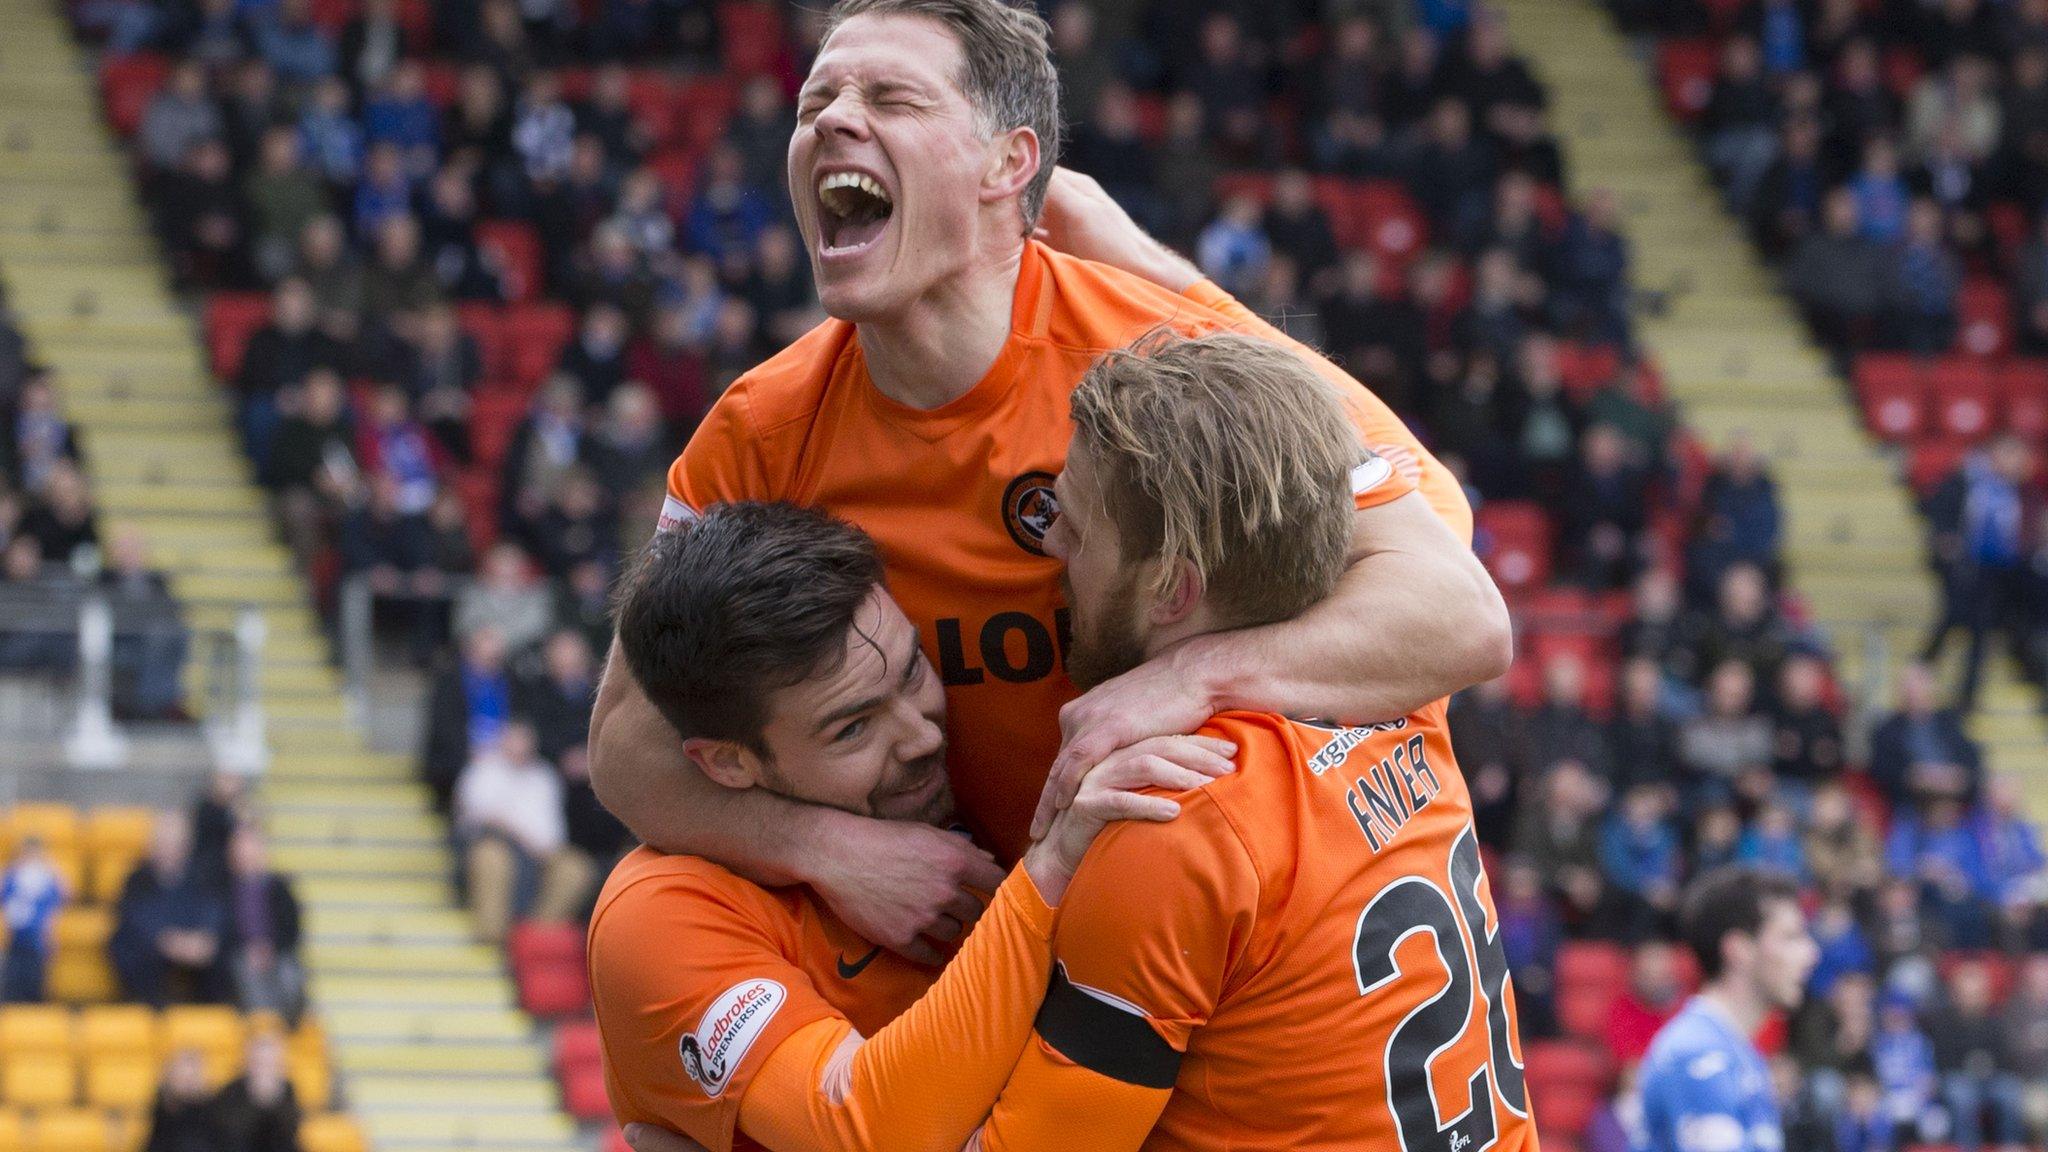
(855, 210)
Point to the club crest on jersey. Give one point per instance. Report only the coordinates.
(729, 1027)
(1029, 508)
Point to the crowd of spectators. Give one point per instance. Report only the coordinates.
(52, 556)
(255, 1112)
(1893, 158)
(204, 919)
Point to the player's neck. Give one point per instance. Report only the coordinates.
(1743, 1007)
(941, 346)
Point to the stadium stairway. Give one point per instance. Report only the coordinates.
(433, 1052)
(1737, 358)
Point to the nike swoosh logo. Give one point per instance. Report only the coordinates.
(849, 971)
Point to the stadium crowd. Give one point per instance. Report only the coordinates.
(52, 556)
(1892, 157)
(476, 273)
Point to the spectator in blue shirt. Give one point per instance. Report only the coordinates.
(1926, 283)
(1880, 193)
(1740, 520)
(1641, 856)
(402, 115)
(1977, 518)
(1844, 950)
(729, 215)
(1937, 848)
(31, 894)
(1233, 249)
(296, 47)
(386, 190)
(329, 137)
(1904, 1059)
(1772, 841)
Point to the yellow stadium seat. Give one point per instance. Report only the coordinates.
(125, 1083)
(55, 824)
(117, 1030)
(70, 1130)
(70, 868)
(118, 831)
(81, 977)
(39, 1081)
(331, 1133)
(222, 1065)
(312, 1083)
(309, 1040)
(12, 1138)
(211, 1028)
(83, 928)
(34, 1029)
(106, 874)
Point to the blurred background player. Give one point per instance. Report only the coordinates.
(1705, 1086)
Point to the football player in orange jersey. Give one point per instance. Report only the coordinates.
(1308, 956)
(931, 411)
(746, 1016)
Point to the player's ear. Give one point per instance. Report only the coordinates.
(1012, 162)
(725, 762)
(1182, 596)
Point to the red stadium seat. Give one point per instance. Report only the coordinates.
(1964, 398)
(1556, 1063)
(703, 106)
(1585, 368)
(750, 31)
(535, 942)
(1984, 318)
(553, 989)
(2023, 397)
(1583, 1012)
(1592, 964)
(1932, 461)
(2009, 228)
(515, 246)
(128, 84)
(1894, 392)
(577, 1045)
(1392, 223)
(1513, 538)
(1997, 965)
(481, 322)
(652, 97)
(1724, 13)
(1902, 70)
(583, 1094)
(1565, 1110)
(1230, 185)
(444, 82)
(1685, 71)
(231, 319)
(534, 336)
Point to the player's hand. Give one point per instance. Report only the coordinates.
(1082, 220)
(1112, 790)
(648, 1138)
(1154, 699)
(908, 887)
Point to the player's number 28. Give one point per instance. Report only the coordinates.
(1458, 925)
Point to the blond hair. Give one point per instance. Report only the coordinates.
(1229, 453)
(1008, 72)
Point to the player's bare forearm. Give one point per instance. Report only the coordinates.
(640, 773)
(1414, 619)
(1082, 220)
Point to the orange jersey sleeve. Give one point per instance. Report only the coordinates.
(924, 1082)
(1383, 431)
(693, 987)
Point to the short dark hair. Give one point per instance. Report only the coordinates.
(722, 612)
(1731, 898)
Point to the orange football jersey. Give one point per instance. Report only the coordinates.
(959, 497)
(1309, 957)
(762, 964)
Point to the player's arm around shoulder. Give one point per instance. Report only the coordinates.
(1143, 945)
